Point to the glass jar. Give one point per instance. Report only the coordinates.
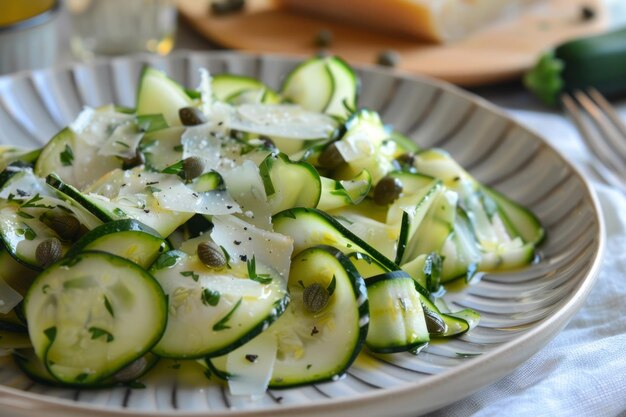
(115, 27)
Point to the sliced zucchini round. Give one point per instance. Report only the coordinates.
(318, 340)
(231, 88)
(310, 227)
(91, 315)
(10, 154)
(310, 84)
(23, 232)
(213, 311)
(397, 322)
(289, 184)
(126, 238)
(346, 91)
(158, 93)
(36, 370)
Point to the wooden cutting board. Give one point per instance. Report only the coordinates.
(501, 52)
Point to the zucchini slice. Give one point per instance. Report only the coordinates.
(139, 195)
(73, 160)
(311, 227)
(289, 184)
(397, 322)
(319, 342)
(337, 194)
(345, 94)
(159, 94)
(313, 341)
(22, 232)
(213, 311)
(311, 85)
(232, 89)
(518, 220)
(126, 238)
(98, 141)
(91, 315)
(10, 154)
(36, 370)
(365, 265)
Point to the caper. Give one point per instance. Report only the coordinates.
(387, 191)
(587, 13)
(315, 298)
(193, 167)
(65, 225)
(222, 7)
(324, 38)
(406, 159)
(132, 371)
(191, 116)
(267, 142)
(134, 161)
(330, 157)
(211, 255)
(388, 58)
(48, 252)
(434, 323)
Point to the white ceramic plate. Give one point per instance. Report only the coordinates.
(521, 311)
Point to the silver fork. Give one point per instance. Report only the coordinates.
(603, 131)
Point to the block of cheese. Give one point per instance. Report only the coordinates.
(432, 20)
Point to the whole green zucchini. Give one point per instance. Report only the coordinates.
(597, 61)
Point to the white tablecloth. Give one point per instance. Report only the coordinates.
(582, 372)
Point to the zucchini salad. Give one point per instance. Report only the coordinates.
(268, 237)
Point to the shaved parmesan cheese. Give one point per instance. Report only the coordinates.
(83, 120)
(206, 91)
(96, 126)
(201, 142)
(182, 199)
(251, 365)
(24, 185)
(246, 187)
(243, 241)
(122, 142)
(228, 285)
(284, 120)
(357, 146)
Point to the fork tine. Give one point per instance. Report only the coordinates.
(608, 110)
(608, 165)
(614, 129)
(592, 139)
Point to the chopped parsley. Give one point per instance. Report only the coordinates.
(32, 203)
(252, 274)
(223, 323)
(166, 260)
(175, 169)
(210, 297)
(67, 156)
(108, 306)
(191, 274)
(97, 332)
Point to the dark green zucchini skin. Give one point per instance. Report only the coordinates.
(597, 61)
